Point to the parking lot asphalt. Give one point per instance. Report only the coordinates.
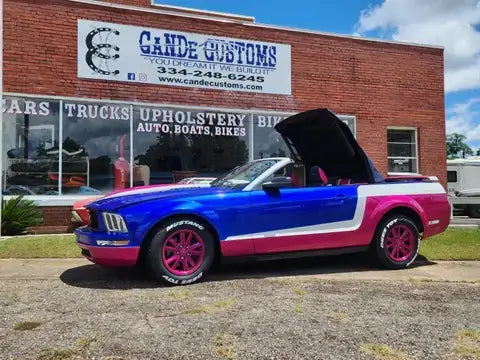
(316, 308)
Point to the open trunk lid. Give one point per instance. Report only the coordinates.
(319, 138)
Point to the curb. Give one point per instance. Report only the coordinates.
(465, 226)
(33, 235)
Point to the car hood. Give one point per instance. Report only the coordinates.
(118, 200)
(319, 138)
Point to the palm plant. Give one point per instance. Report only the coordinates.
(18, 214)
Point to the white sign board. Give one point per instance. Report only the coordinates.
(166, 57)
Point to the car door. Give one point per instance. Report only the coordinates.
(295, 219)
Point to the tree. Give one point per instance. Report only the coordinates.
(478, 152)
(456, 146)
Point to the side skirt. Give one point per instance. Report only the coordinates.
(296, 254)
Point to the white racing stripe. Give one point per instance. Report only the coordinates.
(154, 189)
(420, 188)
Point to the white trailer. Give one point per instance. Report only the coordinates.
(464, 185)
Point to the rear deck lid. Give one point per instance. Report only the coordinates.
(318, 137)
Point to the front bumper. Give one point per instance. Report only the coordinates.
(106, 255)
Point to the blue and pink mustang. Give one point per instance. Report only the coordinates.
(328, 196)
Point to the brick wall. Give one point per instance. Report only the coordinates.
(381, 84)
(190, 11)
(56, 215)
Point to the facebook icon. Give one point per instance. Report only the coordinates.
(131, 76)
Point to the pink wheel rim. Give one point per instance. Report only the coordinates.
(400, 243)
(183, 252)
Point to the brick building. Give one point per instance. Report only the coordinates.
(101, 95)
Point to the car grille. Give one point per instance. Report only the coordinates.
(93, 219)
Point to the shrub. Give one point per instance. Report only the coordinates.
(18, 214)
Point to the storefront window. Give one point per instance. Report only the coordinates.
(85, 147)
(30, 146)
(171, 144)
(96, 147)
(266, 141)
(402, 151)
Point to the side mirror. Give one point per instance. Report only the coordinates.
(277, 183)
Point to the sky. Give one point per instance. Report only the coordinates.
(453, 24)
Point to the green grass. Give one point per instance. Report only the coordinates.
(180, 294)
(453, 244)
(297, 309)
(340, 316)
(206, 309)
(26, 325)
(382, 352)
(298, 291)
(58, 354)
(31, 247)
(224, 348)
(77, 351)
(467, 344)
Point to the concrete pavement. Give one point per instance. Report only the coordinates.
(456, 271)
(465, 222)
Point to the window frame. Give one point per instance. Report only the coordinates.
(416, 157)
(456, 176)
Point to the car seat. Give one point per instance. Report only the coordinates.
(344, 181)
(317, 176)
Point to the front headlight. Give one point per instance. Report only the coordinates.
(114, 223)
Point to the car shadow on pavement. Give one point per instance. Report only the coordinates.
(98, 277)
(323, 265)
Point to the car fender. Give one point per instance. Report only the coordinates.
(159, 212)
(388, 203)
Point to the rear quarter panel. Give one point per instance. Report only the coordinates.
(429, 200)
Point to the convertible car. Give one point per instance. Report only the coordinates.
(328, 197)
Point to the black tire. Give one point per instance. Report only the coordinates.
(158, 253)
(474, 211)
(385, 242)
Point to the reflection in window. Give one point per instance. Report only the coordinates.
(266, 141)
(30, 146)
(96, 151)
(243, 175)
(171, 144)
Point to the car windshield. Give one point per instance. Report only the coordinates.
(243, 175)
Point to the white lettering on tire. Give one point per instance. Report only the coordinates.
(384, 232)
(182, 282)
(185, 222)
(416, 252)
